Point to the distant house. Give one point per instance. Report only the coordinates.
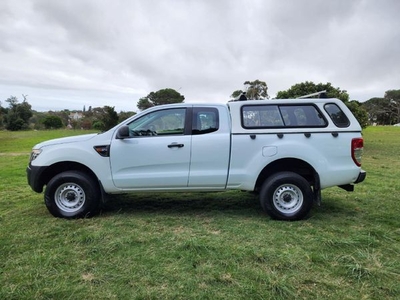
(75, 115)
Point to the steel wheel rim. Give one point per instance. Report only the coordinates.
(69, 197)
(288, 198)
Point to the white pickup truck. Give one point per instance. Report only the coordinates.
(284, 149)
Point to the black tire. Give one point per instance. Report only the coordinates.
(72, 194)
(286, 196)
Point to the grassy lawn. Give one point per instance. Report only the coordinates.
(203, 246)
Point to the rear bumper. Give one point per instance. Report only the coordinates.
(361, 176)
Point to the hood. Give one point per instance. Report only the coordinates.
(70, 139)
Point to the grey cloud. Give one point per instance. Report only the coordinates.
(107, 50)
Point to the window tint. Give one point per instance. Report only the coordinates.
(337, 115)
(261, 116)
(205, 120)
(269, 116)
(162, 122)
(302, 116)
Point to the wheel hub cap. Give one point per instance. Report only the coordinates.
(70, 197)
(288, 198)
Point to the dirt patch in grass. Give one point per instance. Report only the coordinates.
(14, 154)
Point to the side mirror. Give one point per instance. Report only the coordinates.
(123, 132)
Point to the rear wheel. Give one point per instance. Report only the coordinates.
(72, 194)
(286, 196)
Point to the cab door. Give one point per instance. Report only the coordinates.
(210, 148)
(156, 154)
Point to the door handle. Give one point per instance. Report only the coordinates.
(175, 145)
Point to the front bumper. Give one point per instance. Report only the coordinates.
(34, 175)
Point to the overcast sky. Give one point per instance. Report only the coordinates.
(70, 53)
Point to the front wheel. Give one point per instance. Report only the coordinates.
(286, 196)
(72, 194)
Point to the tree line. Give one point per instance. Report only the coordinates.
(20, 116)
(380, 111)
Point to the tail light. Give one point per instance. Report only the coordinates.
(357, 147)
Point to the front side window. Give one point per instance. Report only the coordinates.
(162, 122)
(281, 116)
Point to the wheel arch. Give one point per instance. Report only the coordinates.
(295, 165)
(64, 166)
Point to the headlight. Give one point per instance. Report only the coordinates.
(35, 153)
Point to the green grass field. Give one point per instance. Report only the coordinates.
(203, 246)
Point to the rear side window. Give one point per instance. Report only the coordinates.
(205, 120)
(337, 115)
(281, 116)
